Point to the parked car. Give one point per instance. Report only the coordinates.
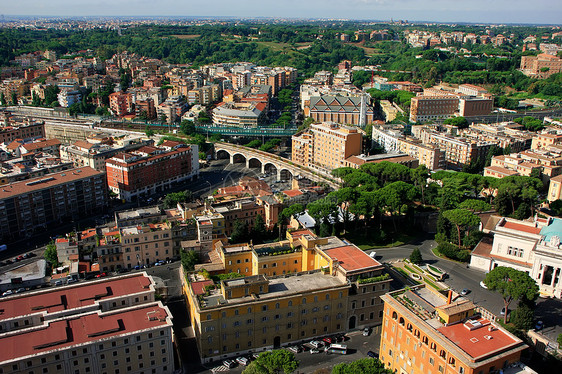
(71, 280)
(20, 290)
(372, 354)
(483, 285)
(366, 331)
(58, 283)
(502, 312)
(315, 350)
(8, 262)
(229, 363)
(295, 349)
(328, 341)
(539, 325)
(465, 291)
(315, 344)
(7, 293)
(255, 356)
(243, 361)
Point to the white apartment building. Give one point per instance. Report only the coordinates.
(530, 246)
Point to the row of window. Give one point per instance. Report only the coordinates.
(265, 341)
(278, 306)
(154, 237)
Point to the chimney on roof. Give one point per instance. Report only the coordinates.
(450, 297)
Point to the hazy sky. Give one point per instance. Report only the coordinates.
(492, 11)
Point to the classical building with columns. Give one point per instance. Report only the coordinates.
(532, 246)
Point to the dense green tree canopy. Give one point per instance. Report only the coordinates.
(279, 361)
(361, 366)
(512, 285)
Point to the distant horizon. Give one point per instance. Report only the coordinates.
(249, 18)
(538, 12)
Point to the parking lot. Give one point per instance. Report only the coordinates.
(357, 347)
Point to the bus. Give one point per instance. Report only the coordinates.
(337, 348)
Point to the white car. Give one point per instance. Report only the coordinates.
(366, 331)
(316, 344)
(242, 361)
(483, 285)
(229, 364)
(294, 349)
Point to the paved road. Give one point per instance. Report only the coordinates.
(460, 277)
(357, 345)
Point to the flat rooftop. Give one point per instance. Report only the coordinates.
(75, 331)
(283, 286)
(138, 213)
(236, 248)
(47, 181)
(34, 270)
(70, 297)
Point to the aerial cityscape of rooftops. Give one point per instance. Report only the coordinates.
(252, 194)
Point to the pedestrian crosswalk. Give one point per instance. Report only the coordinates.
(219, 369)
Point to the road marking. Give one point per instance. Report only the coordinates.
(219, 369)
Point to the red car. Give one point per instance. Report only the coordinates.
(328, 340)
(101, 275)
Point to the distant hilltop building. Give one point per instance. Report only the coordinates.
(541, 66)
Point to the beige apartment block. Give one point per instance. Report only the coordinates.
(305, 287)
(143, 245)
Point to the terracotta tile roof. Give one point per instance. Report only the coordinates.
(83, 144)
(298, 233)
(66, 298)
(14, 145)
(352, 258)
(39, 145)
(88, 233)
(292, 193)
(521, 227)
(47, 181)
(199, 287)
(475, 342)
(504, 171)
(76, 331)
(484, 247)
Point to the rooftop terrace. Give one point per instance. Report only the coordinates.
(475, 335)
(280, 286)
